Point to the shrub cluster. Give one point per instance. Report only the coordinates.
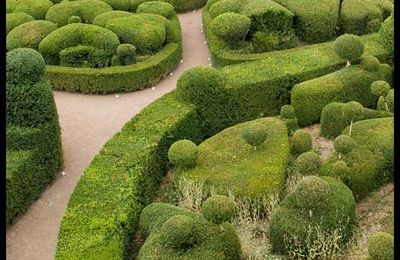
(231, 27)
(386, 33)
(381, 246)
(301, 142)
(369, 63)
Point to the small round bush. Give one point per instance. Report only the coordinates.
(369, 63)
(231, 27)
(386, 33)
(126, 49)
(225, 6)
(340, 168)
(292, 125)
(287, 112)
(352, 111)
(348, 47)
(15, 19)
(24, 66)
(29, 35)
(183, 153)
(344, 144)
(177, 231)
(386, 101)
(218, 209)
(308, 163)
(301, 142)
(74, 19)
(102, 19)
(381, 246)
(156, 7)
(255, 134)
(380, 88)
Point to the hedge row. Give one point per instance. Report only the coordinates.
(104, 209)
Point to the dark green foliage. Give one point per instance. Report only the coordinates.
(183, 153)
(287, 112)
(231, 27)
(323, 202)
(178, 232)
(225, 6)
(74, 19)
(292, 125)
(102, 19)
(87, 10)
(381, 246)
(344, 144)
(348, 47)
(156, 7)
(75, 34)
(380, 88)
(255, 134)
(264, 42)
(126, 55)
(24, 66)
(83, 56)
(15, 19)
(301, 142)
(29, 34)
(386, 33)
(218, 209)
(35, 8)
(369, 63)
(308, 163)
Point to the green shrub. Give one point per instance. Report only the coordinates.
(292, 125)
(183, 153)
(87, 10)
(386, 103)
(301, 142)
(287, 112)
(340, 169)
(124, 5)
(218, 209)
(308, 163)
(380, 88)
(102, 19)
(369, 63)
(264, 42)
(156, 7)
(15, 19)
(29, 34)
(74, 19)
(386, 33)
(147, 32)
(231, 27)
(127, 54)
(352, 111)
(348, 47)
(323, 202)
(75, 34)
(35, 8)
(84, 56)
(344, 144)
(225, 6)
(381, 246)
(255, 134)
(178, 231)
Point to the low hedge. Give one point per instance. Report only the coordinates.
(348, 84)
(103, 212)
(15, 19)
(333, 122)
(35, 8)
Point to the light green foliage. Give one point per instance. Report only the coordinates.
(15, 19)
(348, 47)
(74, 19)
(255, 134)
(218, 209)
(156, 7)
(386, 33)
(178, 232)
(340, 169)
(35, 8)
(381, 246)
(225, 6)
(183, 153)
(380, 88)
(102, 19)
(231, 27)
(369, 63)
(352, 111)
(308, 163)
(301, 142)
(344, 144)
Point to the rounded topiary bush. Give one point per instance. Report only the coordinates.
(344, 144)
(156, 7)
(218, 209)
(348, 47)
(308, 163)
(380, 88)
(386, 103)
(386, 33)
(183, 153)
(74, 19)
(231, 27)
(29, 35)
(177, 231)
(126, 55)
(102, 19)
(301, 142)
(35, 8)
(340, 169)
(255, 134)
(369, 63)
(15, 19)
(352, 111)
(24, 66)
(287, 112)
(126, 49)
(225, 6)
(381, 246)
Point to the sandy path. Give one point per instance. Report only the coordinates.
(87, 122)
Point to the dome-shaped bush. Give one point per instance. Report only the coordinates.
(381, 246)
(287, 112)
(183, 153)
(177, 231)
(380, 88)
(292, 125)
(102, 19)
(35, 8)
(24, 66)
(386, 33)
(255, 134)
(74, 19)
(218, 209)
(231, 27)
(348, 47)
(352, 111)
(386, 103)
(301, 142)
(126, 55)
(126, 49)
(15, 19)
(29, 35)
(369, 63)
(340, 169)
(225, 6)
(156, 7)
(308, 163)
(344, 144)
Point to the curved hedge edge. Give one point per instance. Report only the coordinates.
(103, 212)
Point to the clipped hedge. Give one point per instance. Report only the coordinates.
(35, 8)
(102, 19)
(15, 19)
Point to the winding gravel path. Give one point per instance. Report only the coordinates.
(87, 122)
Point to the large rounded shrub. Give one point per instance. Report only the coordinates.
(308, 163)
(231, 27)
(218, 209)
(102, 19)
(178, 231)
(381, 246)
(35, 8)
(287, 112)
(29, 35)
(348, 47)
(15, 19)
(386, 33)
(225, 6)
(255, 134)
(344, 144)
(156, 7)
(380, 88)
(369, 63)
(301, 142)
(24, 66)
(183, 153)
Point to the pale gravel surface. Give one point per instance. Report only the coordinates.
(323, 145)
(87, 122)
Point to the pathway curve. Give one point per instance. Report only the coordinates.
(87, 122)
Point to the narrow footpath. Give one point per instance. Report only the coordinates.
(88, 122)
